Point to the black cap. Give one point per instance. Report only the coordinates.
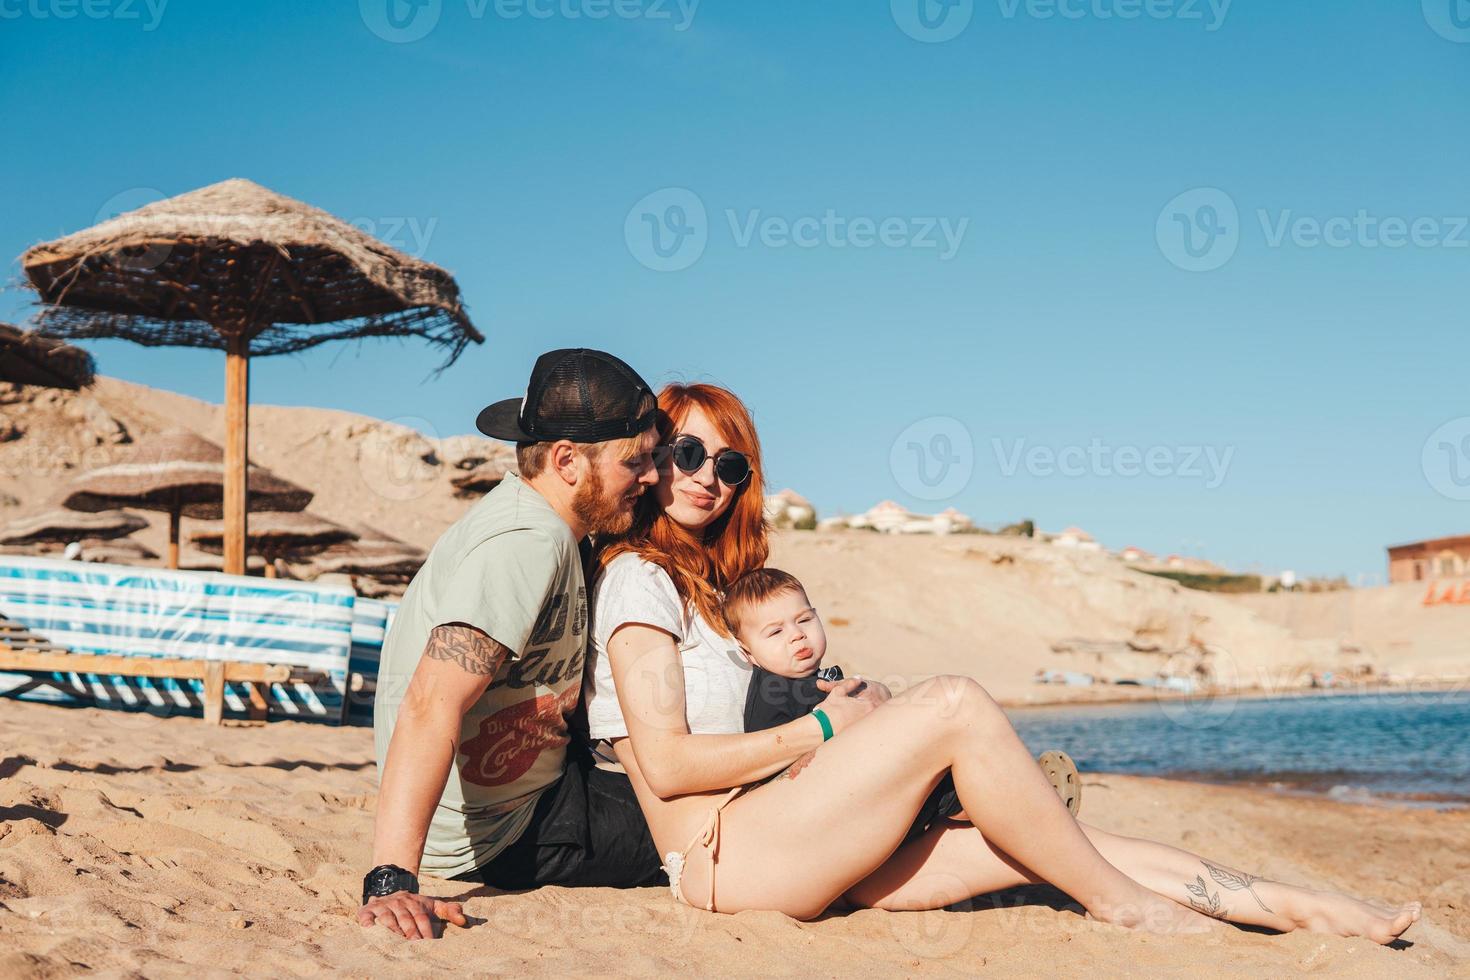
(582, 395)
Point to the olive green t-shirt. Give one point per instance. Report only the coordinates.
(510, 567)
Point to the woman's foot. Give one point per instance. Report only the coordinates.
(1342, 915)
(1153, 913)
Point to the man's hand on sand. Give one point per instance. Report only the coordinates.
(410, 916)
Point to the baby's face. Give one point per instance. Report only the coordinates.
(784, 635)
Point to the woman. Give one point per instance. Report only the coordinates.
(668, 685)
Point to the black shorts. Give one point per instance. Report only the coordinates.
(943, 802)
(587, 830)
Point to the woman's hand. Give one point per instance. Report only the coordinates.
(411, 916)
(849, 700)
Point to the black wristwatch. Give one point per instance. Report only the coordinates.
(386, 879)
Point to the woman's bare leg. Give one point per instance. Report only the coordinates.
(954, 862)
(801, 841)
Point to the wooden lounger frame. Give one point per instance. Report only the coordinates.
(214, 673)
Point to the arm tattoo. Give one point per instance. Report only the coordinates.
(1202, 899)
(793, 770)
(473, 650)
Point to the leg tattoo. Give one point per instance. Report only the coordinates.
(1235, 881)
(1202, 900)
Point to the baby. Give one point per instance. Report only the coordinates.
(781, 636)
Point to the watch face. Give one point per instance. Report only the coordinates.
(384, 881)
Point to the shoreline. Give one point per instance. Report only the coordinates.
(1111, 694)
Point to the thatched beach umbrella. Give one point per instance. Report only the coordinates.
(236, 267)
(182, 475)
(291, 536)
(30, 359)
(62, 526)
(374, 555)
(483, 478)
(121, 551)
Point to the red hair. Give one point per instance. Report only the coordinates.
(704, 564)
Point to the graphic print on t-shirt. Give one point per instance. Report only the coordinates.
(509, 741)
(551, 625)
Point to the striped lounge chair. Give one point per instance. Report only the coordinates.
(371, 619)
(303, 630)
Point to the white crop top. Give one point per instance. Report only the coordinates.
(716, 676)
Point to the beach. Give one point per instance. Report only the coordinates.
(162, 847)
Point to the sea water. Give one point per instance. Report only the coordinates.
(1400, 747)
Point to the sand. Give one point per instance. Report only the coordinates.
(132, 845)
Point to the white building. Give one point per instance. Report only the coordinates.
(787, 508)
(1075, 537)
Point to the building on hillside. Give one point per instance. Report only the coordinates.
(787, 508)
(884, 516)
(1136, 555)
(953, 521)
(1075, 537)
(1435, 558)
(892, 518)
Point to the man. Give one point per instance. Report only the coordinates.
(476, 781)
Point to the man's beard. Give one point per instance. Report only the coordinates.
(599, 513)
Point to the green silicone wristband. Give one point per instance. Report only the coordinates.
(824, 721)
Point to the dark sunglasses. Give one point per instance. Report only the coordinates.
(689, 454)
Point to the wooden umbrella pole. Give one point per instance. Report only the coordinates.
(237, 425)
(173, 534)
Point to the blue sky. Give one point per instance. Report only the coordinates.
(1261, 397)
